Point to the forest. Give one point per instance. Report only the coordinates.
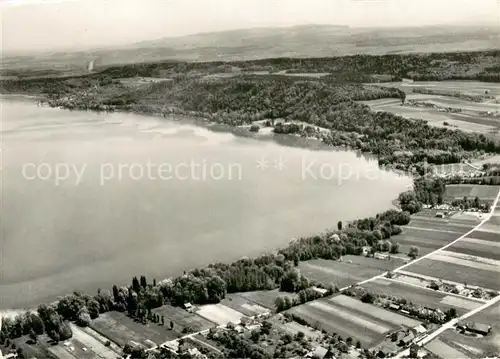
(316, 108)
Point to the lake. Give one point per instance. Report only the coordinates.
(90, 200)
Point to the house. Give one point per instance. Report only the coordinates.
(408, 339)
(320, 352)
(384, 352)
(189, 307)
(419, 329)
(381, 256)
(439, 214)
(321, 291)
(479, 328)
(394, 307)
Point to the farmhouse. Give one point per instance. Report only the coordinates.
(479, 328)
(394, 307)
(408, 339)
(189, 307)
(383, 256)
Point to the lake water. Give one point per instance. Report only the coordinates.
(90, 200)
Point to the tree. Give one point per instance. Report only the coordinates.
(368, 298)
(413, 252)
(33, 336)
(394, 247)
(144, 282)
(84, 318)
(339, 225)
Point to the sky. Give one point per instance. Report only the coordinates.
(31, 25)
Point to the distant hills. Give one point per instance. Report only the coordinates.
(249, 44)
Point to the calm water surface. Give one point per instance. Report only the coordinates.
(114, 214)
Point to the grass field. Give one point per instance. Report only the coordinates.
(477, 247)
(349, 317)
(344, 273)
(183, 319)
(444, 351)
(265, 298)
(423, 296)
(219, 314)
(121, 329)
(244, 306)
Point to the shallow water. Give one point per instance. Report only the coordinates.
(138, 195)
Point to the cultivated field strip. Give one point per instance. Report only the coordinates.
(485, 234)
(440, 226)
(467, 260)
(477, 247)
(457, 302)
(375, 311)
(420, 295)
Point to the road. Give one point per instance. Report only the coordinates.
(442, 328)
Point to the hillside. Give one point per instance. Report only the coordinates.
(250, 44)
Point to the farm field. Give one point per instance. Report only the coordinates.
(477, 247)
(456, 273)
(265, 298)
(443, 350)
(459, 191)
(343, 274)
(477, 347)
(443, 225)
(349, 317)
(472, 117)
(183, 319)
(121, 329)
(244, 306)
(467, 87)
(219, 314)
(474, 347)
(423, 296)
(425, 241)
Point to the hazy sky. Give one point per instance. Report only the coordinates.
(50, 24)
